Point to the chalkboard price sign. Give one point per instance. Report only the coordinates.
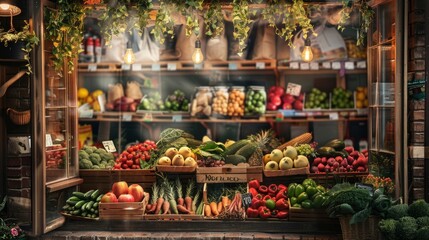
(246, 199)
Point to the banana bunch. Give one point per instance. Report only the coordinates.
(83, 204)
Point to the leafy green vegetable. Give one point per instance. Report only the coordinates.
(422, 233)
(397, 211)
(406, 228)
(360, 216)
(418, 208)
(388, 228)
(423, 221)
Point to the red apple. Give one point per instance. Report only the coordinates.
(287, 105)
(279, 91)
(120, 188)
(298, 105)
(109, 197)
(288, 98)
(301, 97)
(136, 191)
(272, 89)
(126, 198)
(271, 106)
(276, 100)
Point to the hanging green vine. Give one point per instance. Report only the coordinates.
(114, 20)
(213, 19)
(301, 18)
(25, 35)
(143, 8)
(164, 22)
(192, 9)
(68, 18)
(241, 21)
(344, 14)
(367, 16)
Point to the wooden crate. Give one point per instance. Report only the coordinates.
(123, 210)
(175, 169)
(104, 179)
(228, 174)
(310, 215)
(173, 217)
(289, 172)
(332, 178)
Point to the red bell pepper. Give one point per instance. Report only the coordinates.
(266, 197)
(281, 187)
(263, 189)
(282, 204)
(256, 203)
(264, 212)
(282, 214)
(253, 191)
(274, 213)
(252, 212)
(254, 184)
(272, 190)
(281, 194)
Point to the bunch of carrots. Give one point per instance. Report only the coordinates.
(213, 209)
(168, 198)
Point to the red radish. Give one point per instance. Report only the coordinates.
(321, 167)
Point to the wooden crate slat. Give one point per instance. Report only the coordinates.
(289, 172)
(172, 217)
(124, 210)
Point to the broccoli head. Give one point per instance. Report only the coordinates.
(418, 208)
(406, 228)
(388, 228)
(86, 164)
(423, 221)
(95, 158)
(83, 155)
(397, 211)
(422, 233)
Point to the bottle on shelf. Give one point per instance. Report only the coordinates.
(90, 49)
(97, 50)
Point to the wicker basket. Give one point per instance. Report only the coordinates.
(367, 230)
(19, 117)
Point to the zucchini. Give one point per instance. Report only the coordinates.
(89, 205)
(74, 199)
(65, 207)
(235, 159)
(76, 212)
(88, 194)
(95, 205)
(336, 144)
(247, 150)
(99, 197)
(95, 194)
(325, 152)
(83, 207)
(79, 204)
(79, 195)
(71, 202)
(231, 150)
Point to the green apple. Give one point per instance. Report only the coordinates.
(276, 155)
(290, 152)
(300, 161)
(272, 165)
(286, 163)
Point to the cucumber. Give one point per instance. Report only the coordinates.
(88, 194)
(83, 207)
(74, 199)
(84, 214)
(247, 150)
(93, 216)
(235, 159)
(76, 212)
(95, 194)
(89, 205)
(99, 198)
(235, 147)
(95, 211)
(95, 205)
(71, 202)
(336, 144)
(79, 204)
(79, 195)
(65, 207)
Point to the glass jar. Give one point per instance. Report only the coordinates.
(202, 102)
(256, 99)
(220, 101)
(236, 101)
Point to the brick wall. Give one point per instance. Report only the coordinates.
(416, 102)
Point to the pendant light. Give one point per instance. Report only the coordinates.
(307, 53)
(197, 56)
(129, 57)
(9, 8)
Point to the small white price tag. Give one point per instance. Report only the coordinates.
(326, 65)
(232, 66)
(156, 67)
(305, 66)
(177, 118)
(333, 116)
(48, 140)
(361, 64)
(92, 67)
(260, 65)
(109, 146)
(86, 113)
(314, 66)
(148, 117)
(350, 65)
(336, 65)
(126, 117)
(198, 66)
(294, 65)
(171, 66)
(136, 67)
(126, 67)
(293, 89)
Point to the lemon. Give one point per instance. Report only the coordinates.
(97, 93)
(359, 104)
(82, 93)
(89, 100)
(360, 96)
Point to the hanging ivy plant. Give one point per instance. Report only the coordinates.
(192, 10)
(366, 16)
(241, 21)
(64, 28)
(213, 19)
(114, 20)
(164, 22)
(25, 35)
(301, 18)
(143, 8)
(344, 14)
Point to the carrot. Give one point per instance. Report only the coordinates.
(219, 207)
(165, 207)
(153, 201)
(207, 210)
(183, 209)
(159, 204)
(213, 206)
(225, 201)
(188, 198)
(148, 207)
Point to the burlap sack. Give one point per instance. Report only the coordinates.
(265, 41)
(133, 90)
(115, 91)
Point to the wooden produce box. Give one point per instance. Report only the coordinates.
(103, 179)
(310, 215)
(332, 178)
(289, 172)
(173, 217)
(175, 169)
(228, 174)
(123, 210)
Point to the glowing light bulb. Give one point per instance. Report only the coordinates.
(307, 53)
(197, 56)
(129, 57)
(4, 6)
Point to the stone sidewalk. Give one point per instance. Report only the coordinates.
(105, 235)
